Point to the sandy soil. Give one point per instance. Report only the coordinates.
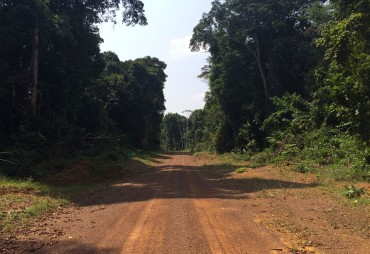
(184, 207)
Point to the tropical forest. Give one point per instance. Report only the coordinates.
(276, 161)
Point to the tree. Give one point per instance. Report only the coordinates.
(173, 132)
(133, 95)
(49, 58)
(259, 49)
(345, 94)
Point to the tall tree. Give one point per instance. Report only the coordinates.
(258, 49)
(49, 56)
(173, 130)
(133, 96)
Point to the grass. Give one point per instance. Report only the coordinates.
(15, 220)
(353, 192)
(241, 170)
(43, 205)
(24, 198)
(147, 157)
(332, 178)
(227, 159)
(29, 185)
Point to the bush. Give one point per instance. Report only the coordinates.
(331, 146)
(19, 163)
(116, 153)
(353, 192)
(295, 133)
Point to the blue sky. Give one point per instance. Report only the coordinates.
(167, 35)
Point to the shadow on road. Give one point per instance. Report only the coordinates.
(177, 177)
(67, 246)
(157, 157)
(185, 181)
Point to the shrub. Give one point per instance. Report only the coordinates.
(353, 192)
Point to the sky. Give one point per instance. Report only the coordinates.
(167, 36)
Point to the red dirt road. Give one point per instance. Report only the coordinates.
(173, 210)
(182, 206)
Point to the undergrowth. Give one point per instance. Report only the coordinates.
(353, 192)
(329, 153)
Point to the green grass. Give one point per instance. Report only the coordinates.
(331, 178)
(241, 170)
(25, 198)
(43, 205)
(352, 192)
(231, 159)
(29, 184)
(147, 157)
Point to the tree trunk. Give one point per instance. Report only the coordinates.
(34, 73)
(261, 69)
(257, 56)
(181, 131)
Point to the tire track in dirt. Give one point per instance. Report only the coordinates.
(173, 210)
(229, 229)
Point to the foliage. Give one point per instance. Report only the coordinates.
(241, 170)
(69, 62)
(259, 49)
(345, 94)
(280, 97)
(203, 131)
(353, 192)
(302, 169)
(174, 127)
(84, 98)
(132, 95)
(294, 135)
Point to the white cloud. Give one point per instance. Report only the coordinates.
(180, 48)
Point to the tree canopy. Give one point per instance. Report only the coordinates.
(55, 82)
(259, 49)
(286, 79)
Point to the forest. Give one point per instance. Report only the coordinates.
(58, 92)
(288, 81)
(277, 160)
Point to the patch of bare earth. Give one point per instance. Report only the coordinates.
(306, 217)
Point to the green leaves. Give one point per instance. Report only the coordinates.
(342, 38)
(346, 93)
(353, 192)
(259, 49)
(134, 97)
(173, 131)
(70, 64)
(133, 13)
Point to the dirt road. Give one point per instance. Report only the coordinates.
(173, 210)
(180, 209)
